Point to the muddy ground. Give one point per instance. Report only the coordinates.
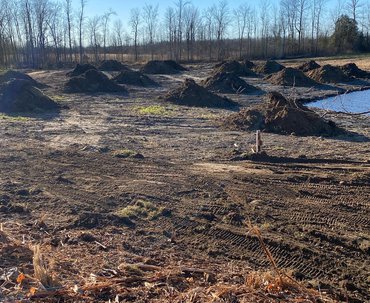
(60, 177)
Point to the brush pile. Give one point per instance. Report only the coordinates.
(282, 116)
(352, 70)
(192, 94)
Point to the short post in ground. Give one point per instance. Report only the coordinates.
(258, 142)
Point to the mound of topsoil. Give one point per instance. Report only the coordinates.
(12, 74)
(192, 94)
(290, 77)
(228, 83)
(166, 67)
(20, 96)
(248, 64)
(92, 81)
(282, 116)
(269, 67)
(234, 67)
(112, 66)
(352, 70)
(80, 69)
(307, 66)
(134, 78)
(328, 74)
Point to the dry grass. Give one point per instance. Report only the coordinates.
(42, 271)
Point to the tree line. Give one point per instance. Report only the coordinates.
(45, 33)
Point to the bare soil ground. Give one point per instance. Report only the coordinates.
(62, 186)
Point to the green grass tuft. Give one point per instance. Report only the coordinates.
(13, 118)
(154, 110)
(141, 209)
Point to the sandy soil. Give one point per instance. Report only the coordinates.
(60, 179)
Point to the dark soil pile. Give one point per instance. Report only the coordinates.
(112, 66)
(352, 70)
(80, 69)
(192, 94)
(290, 77)
(20, 96)
(248, 64)
(269, 67)
(282, 116)
(93, 81)
(166, 67)
(228, 83)
(12, 74)
(308, 66)
(328, 74)
(134, 78)
(234, 67)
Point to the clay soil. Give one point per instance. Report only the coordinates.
(67, 186)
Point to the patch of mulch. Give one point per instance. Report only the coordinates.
(93, 81)
(352, 70)
(308, 66)
(112, 66)
(131, 77)
(12, 74)
(228, 83)
(234, 67)
(269, 67)
(166, 67)
(21, 96)
(328, 74)
(192, 94)
(282, 116)
(80, 69)
(291, 77)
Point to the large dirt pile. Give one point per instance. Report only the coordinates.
(328, 74)
(282, 116)
(93, 81)
(112, 66)
(134, 78)
(228, 83)
(192, 94)
(308, 66)
(80, 69)
(12, 74)
(234, 67)
(18, 95)
(166, 67)
(248, 64)
(352, 70)
(269, 67)
(290, 77)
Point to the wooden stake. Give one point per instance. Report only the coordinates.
(258, 142)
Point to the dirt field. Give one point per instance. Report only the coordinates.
(65, 184)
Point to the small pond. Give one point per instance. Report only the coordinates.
(356, 102)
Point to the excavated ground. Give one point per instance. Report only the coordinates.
(60, 178)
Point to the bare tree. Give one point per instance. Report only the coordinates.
(105, 20)
(242, 13)
(94, 26)
(134, 23)
(81, 18)
(170, 27)
(180, 6)
(68, 12)
(150, 16)
(354, 6)
(221, 16)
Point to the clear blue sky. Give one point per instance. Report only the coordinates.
(123, 7)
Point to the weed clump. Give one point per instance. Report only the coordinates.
(142, 209)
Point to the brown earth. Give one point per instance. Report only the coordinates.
(228, 83)
(166, 67)
(172, 226)
(239, 69)
(352, 70)
(112, 65)
(12, 74)
(92, 81)
(308, 66)
(269, 67)
(80, 69)
(131, 77)
(291, 77)
(192, 94)
(328, 74)
(21, 96)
